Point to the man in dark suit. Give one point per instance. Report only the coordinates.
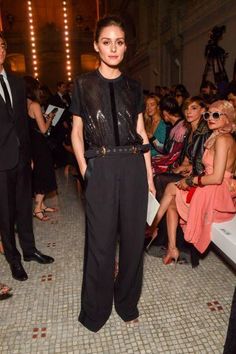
(61, 98)
(15, 173)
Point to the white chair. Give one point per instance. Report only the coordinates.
(223, 235)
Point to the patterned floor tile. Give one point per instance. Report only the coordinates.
(182, 311)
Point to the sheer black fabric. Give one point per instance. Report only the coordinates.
(109, 109)
(44, 179)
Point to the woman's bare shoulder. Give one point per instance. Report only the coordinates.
(35, 109)
(225, 142)
(225, 138)
(35, 105)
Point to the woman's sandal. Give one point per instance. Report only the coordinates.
(42, 217)
(4, 292)
(50, 209)
(172, 255)
(132, 323)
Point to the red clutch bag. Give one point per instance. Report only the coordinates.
(190, 194)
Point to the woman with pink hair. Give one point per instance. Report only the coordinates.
(201, 200)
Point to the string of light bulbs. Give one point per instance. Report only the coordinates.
(32, 40)
(66, 38)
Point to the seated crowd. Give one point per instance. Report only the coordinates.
(197, 127)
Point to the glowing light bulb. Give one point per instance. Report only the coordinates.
(67, 39)
(32, 39)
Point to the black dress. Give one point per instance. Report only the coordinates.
(44, 179)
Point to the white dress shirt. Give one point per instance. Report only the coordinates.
(3, 73)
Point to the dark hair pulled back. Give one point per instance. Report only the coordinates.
(111, 20)
(32, 88)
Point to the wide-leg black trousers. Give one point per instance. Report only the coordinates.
(116, 203)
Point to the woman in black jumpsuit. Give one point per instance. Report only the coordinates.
(107, 119)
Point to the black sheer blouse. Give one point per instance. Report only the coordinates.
(109, 109)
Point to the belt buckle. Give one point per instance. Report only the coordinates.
(103, 150)
(134, 149)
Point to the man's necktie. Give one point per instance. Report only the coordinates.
(65, 101)
(7, 96)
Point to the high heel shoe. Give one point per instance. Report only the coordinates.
(153, 237)
(40, 216)
(49, 209)
(172, 255)
(132, 323)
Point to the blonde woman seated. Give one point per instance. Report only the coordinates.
(199, 201)
(154, 125)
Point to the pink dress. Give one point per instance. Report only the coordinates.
(211, 203)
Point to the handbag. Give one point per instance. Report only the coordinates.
(190, 194)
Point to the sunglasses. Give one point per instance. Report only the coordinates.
(214, 115)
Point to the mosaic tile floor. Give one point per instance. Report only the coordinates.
(182, 311)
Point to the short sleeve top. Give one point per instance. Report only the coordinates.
(109, 109)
